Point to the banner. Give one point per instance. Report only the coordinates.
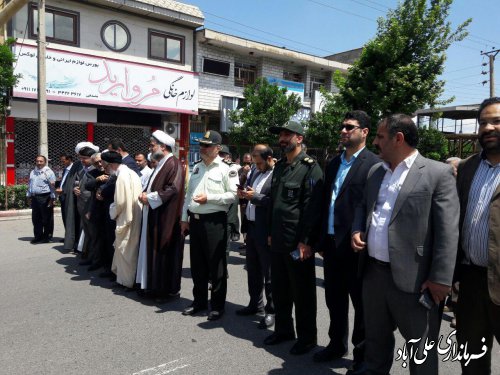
(79, 78)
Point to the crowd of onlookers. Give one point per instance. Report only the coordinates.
(395, 230)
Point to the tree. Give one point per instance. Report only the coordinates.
(266, 105)
(432, 143)
(322, 129)
(7, 77)
(398, 70)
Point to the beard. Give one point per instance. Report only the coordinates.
(491, 146)
(289, 147)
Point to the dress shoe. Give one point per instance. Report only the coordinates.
(215, 315)
(94, 267)
(167, 298)
(266, 322)
(44, 240)
(328, 354)
(85, 263)
(302, 348)
(34, 241)
(191, 310)
(278, 338)
(106, 274)
(245, 311)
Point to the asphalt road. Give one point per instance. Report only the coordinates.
(57, 318)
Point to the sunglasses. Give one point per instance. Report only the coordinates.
(349, 127)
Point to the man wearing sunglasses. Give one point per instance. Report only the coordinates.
(211, 190)
(345, 178)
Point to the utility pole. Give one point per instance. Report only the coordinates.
(491, 55)
(42, 93)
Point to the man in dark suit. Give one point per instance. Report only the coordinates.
(258, 256)
(478, 184)
(345, 179)
(118, 146)
(407, 227)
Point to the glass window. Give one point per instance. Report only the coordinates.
(61, 26)
(167, 47)
(115, 36)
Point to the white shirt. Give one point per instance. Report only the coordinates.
(378, 233)
(68, 168)
(257, 185)
(145, 174)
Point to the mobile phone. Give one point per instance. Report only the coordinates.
(240, 187)
(426, 299)
(295, 254)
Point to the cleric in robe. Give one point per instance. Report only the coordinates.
(162, 244)
(126, 210)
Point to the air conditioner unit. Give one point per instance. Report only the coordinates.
(173, 129)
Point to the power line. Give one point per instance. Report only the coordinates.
(368, 6)
(341, 10)
(459, 70)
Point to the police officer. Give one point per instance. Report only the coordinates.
(295, 202)
(211, 190)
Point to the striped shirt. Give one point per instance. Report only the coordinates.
(475, 228)
(41, 182)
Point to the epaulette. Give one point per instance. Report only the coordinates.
(197, 161)
(228, 162)
(308, 160)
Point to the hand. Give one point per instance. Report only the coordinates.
(87, 215)
(200, 198)
(184, 228)
(305, 251)
(98, 195)
(51, 203)
(77, 191)
(103, 178)
(357, 243)
(143, 198)
(268, 240)
(240, 193)
(59, 191)
(438, 291)
(248, 194)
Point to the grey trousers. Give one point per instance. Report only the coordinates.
(387, 308)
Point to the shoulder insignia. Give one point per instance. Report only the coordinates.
(308, 160)
(228, 162)
(233, 173)
(198, 161)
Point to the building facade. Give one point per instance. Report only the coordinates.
(114, 70)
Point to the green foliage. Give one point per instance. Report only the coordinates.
(398, 70)
(16, 197)
(266, 105)
(432, 143)
(7, 77)
(322, 129)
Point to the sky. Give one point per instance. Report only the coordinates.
(324, 27)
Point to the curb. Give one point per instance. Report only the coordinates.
(20, 214)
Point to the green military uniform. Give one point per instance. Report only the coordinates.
(294, 212)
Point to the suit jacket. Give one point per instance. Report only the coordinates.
(349, 196)
(423, 228)
(465, 175)
(129, 161)
(261, 201)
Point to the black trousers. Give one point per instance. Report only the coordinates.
(477, 317)
(42, 216)
(208, 236)
(294, 283)
(342, 281)
(62, 199)
(258, 262)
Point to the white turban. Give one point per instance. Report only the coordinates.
(164, 138)
(81, 145)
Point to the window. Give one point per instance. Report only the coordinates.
(294, 77)
(244, 74)
(61, 26)
(166, 47)
(115, 36)
(216, 67)
(315, 84)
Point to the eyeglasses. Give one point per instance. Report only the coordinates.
(349, 127)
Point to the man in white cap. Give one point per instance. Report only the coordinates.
(73, 227)
(161, 248)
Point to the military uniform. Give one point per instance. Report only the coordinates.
(208, 229)
(295, 200)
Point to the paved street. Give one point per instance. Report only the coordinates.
(56, 318)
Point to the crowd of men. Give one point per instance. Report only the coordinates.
(396, 230)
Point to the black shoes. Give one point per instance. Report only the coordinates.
(278, 338)
(94, 267)
(193, 309)
(107, 274)
(85, 263)
(358, 368)
(34, 241)
(302, 348)
(215, 315)
(246, 311)
(266, 322)
(328, 354)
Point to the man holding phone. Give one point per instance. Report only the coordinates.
(296, 187)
